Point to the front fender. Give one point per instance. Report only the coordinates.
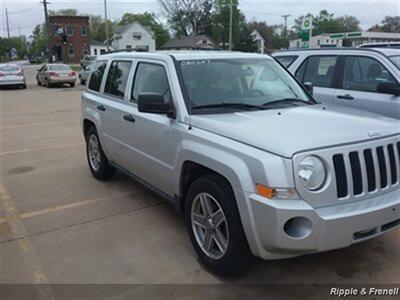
(234, 169)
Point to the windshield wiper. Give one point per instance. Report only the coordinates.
(228, 105)
(287, 100)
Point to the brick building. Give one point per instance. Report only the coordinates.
(69, 38)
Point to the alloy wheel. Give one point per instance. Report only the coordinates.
(210, 226)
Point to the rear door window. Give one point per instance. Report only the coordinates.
(364, 74)
(319, 70)
(117, 78)
(97, 76)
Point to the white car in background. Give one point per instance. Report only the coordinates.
(12, 75)
(362, 78)
(56, 74)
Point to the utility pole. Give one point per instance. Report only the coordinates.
(8, 35)
(285, 17)
(48, 35)
(106, 20)
(230, 26)
(8, 25)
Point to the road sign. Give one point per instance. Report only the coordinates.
(307, 23)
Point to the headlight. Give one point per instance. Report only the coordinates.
(311, 172)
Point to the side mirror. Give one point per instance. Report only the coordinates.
(155, 104)
(309, 87)
(389, 88)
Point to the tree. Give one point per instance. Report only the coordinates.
(273, 35)
(350, 23)
(391, 24)
(98, 28)
(38, 40)
(184, 16)
(64, 12)
(206, 20)
(149, 20)
(19, 44)
(221, 22)
(245, 42)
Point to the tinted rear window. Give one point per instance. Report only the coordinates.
(97, 76)
(117, 78)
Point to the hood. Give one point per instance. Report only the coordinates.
(288, 131)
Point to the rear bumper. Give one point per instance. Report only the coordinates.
(326, 228)
(13, 81)
(62, 79)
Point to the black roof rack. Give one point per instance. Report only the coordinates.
(126, 50)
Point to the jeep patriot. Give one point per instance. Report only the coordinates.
(235, 143)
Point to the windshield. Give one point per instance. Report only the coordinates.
(59, 68)
(396, 60)
(252, 82)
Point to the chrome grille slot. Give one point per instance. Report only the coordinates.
(382, 166)
(369, 164)
(369, 169)
(392, 160)
(341, 179)
(356, 172)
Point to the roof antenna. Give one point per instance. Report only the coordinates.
(190, 122)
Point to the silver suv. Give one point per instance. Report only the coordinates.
(237, 145)
(367, 79)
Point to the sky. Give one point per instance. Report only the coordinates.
(25, 14)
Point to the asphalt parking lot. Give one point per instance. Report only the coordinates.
(59, 225)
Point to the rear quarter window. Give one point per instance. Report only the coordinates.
(286, 61)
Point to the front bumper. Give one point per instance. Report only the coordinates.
(329, 227)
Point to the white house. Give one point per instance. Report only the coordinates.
(133, 36)
(260, 41)
(97, 48)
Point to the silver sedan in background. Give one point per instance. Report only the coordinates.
(56, 74)
(12, 75)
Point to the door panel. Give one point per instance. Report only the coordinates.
(144, 143)
(384, 104)
(320, 71)
(360, 80)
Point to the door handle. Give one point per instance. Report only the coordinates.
(101, 107)
(129, 118)
(346, 97)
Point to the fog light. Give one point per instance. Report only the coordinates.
(298, 227)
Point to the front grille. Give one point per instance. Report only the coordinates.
(366, 171)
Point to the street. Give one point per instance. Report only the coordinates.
(60, 225)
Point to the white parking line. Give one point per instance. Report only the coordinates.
(18, 230)
(38, 124)
(49, 210)
(40, 149)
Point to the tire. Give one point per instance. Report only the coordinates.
(38, 82)
(72, 84)
(23, 86)
(237, 255)
(102, 170)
